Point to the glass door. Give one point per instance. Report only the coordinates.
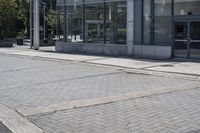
(180, 39)
(187, 39)
(195, 39)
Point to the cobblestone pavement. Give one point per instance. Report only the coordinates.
(27, 83)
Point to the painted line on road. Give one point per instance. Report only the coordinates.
(15, 122)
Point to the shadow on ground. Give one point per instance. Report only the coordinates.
(4, 129)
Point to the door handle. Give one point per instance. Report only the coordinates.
(189, 40)
(186, 41)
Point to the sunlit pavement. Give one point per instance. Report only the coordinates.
(66, 93)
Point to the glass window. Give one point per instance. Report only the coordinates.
(60, 2)
(162, 22)
(95, 22)
(147, 19)
(186, 7)
(74, 23)
(116, 22)
(73, 2)
(60, 23)
(106, 23)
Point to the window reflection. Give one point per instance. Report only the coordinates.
(74, 23)
(106, 23)
(186, 7)
(60, 26)
(162, 22)
(96, 22)
(147, 20)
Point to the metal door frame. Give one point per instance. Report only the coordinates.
(188, 39)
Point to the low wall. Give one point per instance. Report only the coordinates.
(146, 51)
(6, 43)
(150, 51)
(101, 49)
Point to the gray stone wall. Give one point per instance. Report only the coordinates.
(101, 49)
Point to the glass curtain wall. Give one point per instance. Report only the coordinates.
(94, 29)
(157, 18)
(94, 21)
(147, 21)
(118, 17)
(60, 23)
(163, 22)
(186, 7)
(157, 22)
(74, 23)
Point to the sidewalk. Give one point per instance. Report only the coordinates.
(178, 66)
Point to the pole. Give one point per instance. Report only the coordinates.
(36, 25)
(31, 23)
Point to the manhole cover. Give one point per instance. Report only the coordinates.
(168, 65)
(4, 129)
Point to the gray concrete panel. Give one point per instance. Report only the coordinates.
(85, 48)
(152, 51)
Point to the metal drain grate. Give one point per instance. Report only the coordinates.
(4, 129)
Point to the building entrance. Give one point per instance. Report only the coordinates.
(187, 38)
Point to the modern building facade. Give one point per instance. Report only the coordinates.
(144, 28)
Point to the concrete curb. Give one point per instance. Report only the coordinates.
(15, 122)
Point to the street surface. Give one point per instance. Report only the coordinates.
(68, 96)
(4, 129)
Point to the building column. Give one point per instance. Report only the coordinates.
(36, 34)
(31, 23)
(130, 26)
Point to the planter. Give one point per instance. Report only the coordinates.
(20, 41)
(4, 43)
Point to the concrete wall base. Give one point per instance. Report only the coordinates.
(101, 49)
(150, 51)
(146, 51)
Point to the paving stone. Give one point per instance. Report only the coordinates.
(31, 82)
(4, 129)
(54, 82)
(129, 116)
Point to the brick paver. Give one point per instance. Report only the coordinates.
(31, 82)
(43, 82)
(4, 129)
(176, 112)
